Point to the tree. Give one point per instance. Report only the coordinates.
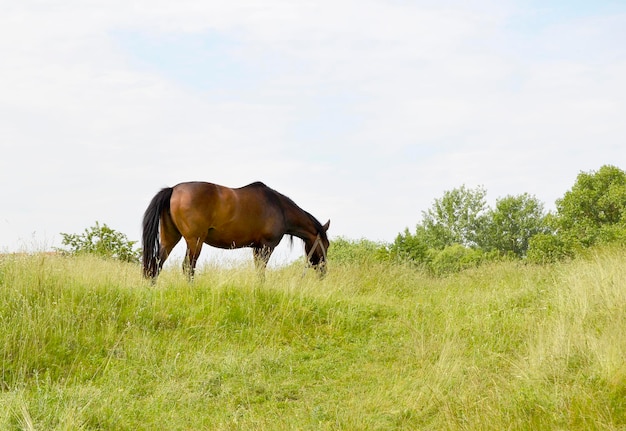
(456, 218)
(102, 241)
(408, 247)
(513, 222)
(449, 234)
(594, 210)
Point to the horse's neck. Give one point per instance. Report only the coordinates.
(299, 224)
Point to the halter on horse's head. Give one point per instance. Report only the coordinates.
(316, 250)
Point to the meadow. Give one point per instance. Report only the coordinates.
(87, 344)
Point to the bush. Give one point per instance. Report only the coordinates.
(408, 247)
(101, 240)
(610, 234)
(547, 248)
(357, 251)
(456, 258)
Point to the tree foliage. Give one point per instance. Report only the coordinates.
(546, 248)
(595, 206)
(456, 218)
(592, 212)
(460, 218)
(452, 235)
(101, 240)
(409, 247)
(512, 223)
(460, 230)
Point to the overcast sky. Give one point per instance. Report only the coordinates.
(363, 112)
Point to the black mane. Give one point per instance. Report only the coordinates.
(281, 199)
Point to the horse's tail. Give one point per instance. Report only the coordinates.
(150, 241)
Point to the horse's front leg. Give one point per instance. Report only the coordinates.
(261, 258)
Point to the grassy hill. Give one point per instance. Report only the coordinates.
(86, 344)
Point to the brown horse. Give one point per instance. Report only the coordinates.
(203, 213)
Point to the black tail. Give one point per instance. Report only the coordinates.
(151, 244)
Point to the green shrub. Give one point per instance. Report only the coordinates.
(547, 248)
(409, 247)
(456, 258)
(357, 251)
(101, 240)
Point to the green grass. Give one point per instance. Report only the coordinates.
(86, 344)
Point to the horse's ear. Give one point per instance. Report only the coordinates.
(326, 226)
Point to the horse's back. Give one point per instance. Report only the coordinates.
(200, 194)
(226, 216)
(203, 188)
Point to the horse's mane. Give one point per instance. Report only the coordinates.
(283, 202)
(318, 225)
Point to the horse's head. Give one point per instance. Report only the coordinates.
(317, 249)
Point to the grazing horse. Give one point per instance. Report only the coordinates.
(203, 213)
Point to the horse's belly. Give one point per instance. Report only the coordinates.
(229, 239)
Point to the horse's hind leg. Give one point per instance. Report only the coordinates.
(194, 247)
(169, 238)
